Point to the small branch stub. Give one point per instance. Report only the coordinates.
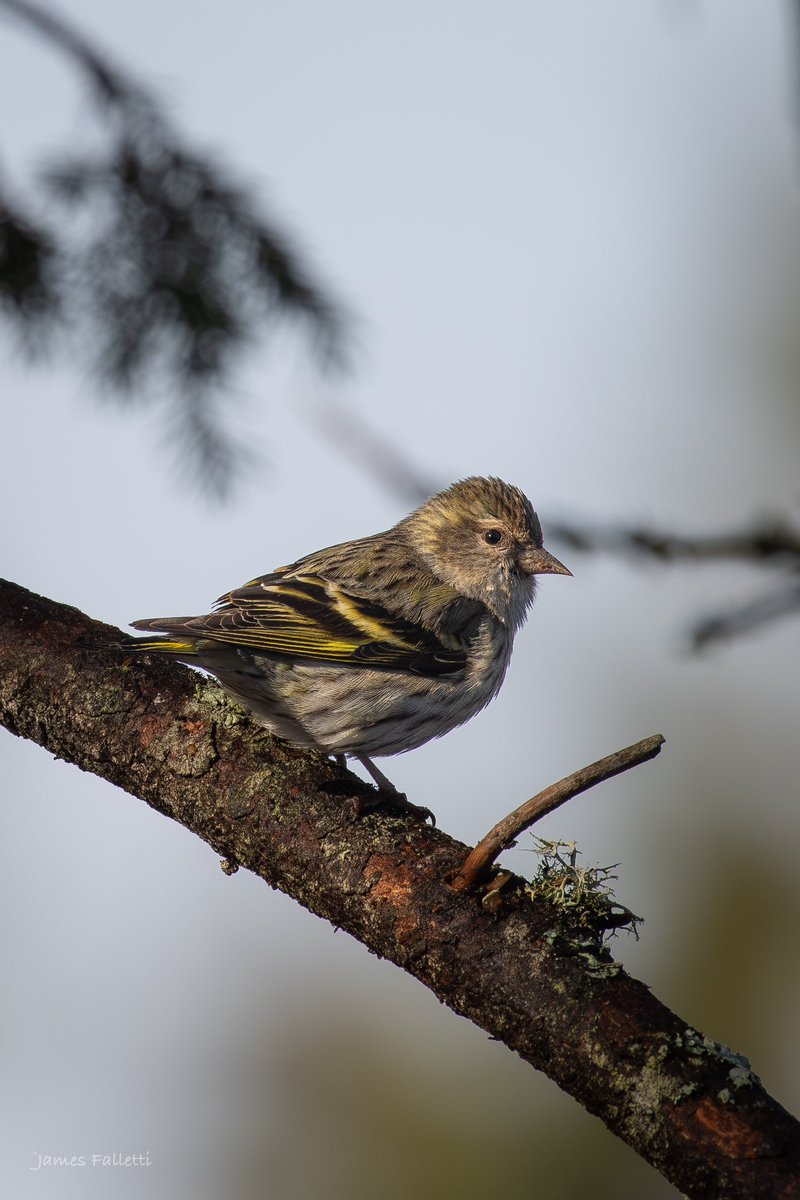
(505, 832)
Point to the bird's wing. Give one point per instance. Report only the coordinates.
(305, 616)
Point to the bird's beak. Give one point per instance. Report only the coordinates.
(535, 560)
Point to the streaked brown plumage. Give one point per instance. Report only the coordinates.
(375, 646)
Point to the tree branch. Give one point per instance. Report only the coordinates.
(687, 1105)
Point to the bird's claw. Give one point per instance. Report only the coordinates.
(355, 807)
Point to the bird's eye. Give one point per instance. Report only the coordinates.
(493, 537)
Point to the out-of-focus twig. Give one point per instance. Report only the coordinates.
(773, 538)
(771, 542)
(111, 85)
(373, 453)
(747, 617)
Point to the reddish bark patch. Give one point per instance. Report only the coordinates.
(734, 1137)
(389, 880)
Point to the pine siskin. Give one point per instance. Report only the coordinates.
(376, 646)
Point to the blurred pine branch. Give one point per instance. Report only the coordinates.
(154, 264)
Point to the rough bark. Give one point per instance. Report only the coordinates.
(685, 1104)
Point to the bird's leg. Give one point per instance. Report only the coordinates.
(388, 794)
(384, 784)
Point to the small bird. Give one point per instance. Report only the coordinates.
(375, 646)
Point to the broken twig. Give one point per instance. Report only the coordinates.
(508, 830)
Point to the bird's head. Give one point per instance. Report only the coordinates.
(482, 537)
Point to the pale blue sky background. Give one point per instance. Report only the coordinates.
(572, 234)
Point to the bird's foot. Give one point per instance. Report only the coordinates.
(398, 803)
(385, 796)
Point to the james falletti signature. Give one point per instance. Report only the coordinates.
(116, 1159)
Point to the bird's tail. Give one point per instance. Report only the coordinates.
(169, 643)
